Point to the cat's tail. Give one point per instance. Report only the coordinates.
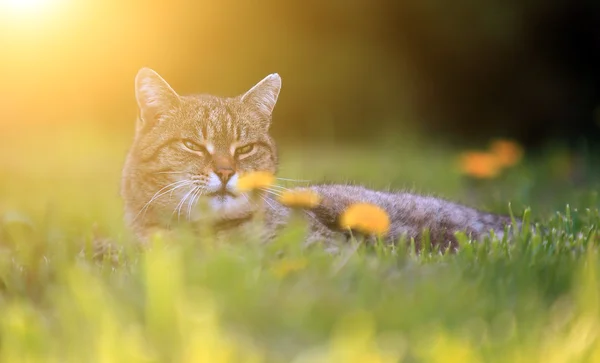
(482, 224)
(412, 214)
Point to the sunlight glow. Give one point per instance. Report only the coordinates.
(25, 6)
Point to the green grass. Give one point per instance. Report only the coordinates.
(533, 299)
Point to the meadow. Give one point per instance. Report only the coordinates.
(533, 298)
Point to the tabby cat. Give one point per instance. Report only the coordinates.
(189, 151)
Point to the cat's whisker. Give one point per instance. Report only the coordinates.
(267, 201)
(273, 192)
(182, 202)
(267, 190)
(250, 200)
(193, 201)
(279, 187)
(202, 190)
(311, 215)
(294, 180)
(190, 201)
(171, 172)
(278, 193)
(187, 199)
(275, 188)
(170, 191)
(247, 199)
(170, 188)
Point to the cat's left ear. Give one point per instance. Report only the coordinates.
(263, 95)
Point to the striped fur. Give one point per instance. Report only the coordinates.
(189, 150)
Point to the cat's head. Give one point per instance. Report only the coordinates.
(201, 143)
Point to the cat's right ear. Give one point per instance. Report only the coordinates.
(154, 97)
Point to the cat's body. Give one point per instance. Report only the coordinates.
(189, 150)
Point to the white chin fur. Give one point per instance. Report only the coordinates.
(227, 205)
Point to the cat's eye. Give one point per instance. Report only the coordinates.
(193, 145)
(244, 149)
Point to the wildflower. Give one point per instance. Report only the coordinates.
(254, 180)
(300, 198)
(366, 218)
(480, 165)
(507, 152)
(285, 266)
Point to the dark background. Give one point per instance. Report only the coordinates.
(462, 71)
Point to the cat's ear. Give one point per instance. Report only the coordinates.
(263, 95)
(154, 96)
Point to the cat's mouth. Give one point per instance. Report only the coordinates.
(222, 193)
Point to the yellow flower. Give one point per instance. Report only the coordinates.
(300, 198)
(507, 152)
(480, 164)
(366, 218)
(285, 266)
(255, 180)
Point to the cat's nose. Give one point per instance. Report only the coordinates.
(224, 173)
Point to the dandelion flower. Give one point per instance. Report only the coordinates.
(507, 152)
(480, 165)
(288, 265)
(255, 180)
(366, 218)
(300, 198)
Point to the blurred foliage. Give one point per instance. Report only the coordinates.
(412, 74)
(531, 299)
(351, 69)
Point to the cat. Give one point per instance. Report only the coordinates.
(190, 150)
